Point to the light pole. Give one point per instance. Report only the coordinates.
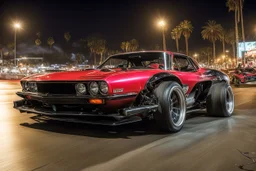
(16, 26)
(162, 24)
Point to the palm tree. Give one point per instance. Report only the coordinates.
(92, 44)
(206, 52)
(134, 45)
(50, 41)
(100, 48)
(241, 2)
(38, 42)
(125, 46)
(233, 5)
(223, 39)
(186, 29)
(231, 39)
(176, 34)
(78, 58)
(67, 36)
(212, 32)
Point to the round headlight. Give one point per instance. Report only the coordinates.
(80, 88)
(94, 88)
(103, 88)
(32, 86)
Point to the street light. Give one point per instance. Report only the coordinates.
(162, 24)
(223, 57)
(195, 56)
(16, 26)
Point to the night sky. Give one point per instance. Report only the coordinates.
(116, 21)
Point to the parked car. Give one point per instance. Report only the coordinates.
(229, 72)
(243, 76)
(153, 84)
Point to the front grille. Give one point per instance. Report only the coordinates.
(56, 88)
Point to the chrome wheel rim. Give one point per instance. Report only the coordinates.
(229, 100)
(177, 107)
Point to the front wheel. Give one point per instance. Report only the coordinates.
(171, 113)
(220, 100)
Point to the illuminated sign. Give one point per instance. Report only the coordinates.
(249, 46)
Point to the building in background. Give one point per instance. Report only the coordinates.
(249, 46)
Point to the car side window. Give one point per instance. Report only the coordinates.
(181, 63)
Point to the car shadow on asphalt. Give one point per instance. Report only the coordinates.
(148, 127)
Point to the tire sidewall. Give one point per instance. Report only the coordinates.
(224, 100)
(216, 101)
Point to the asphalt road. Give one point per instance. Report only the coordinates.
(205, 143)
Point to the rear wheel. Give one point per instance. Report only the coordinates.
(220, 100)
(171, 113)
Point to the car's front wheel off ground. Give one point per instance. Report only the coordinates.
(171, 113)
(220, 100)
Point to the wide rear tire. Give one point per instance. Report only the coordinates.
(171, 113)
(220, 100)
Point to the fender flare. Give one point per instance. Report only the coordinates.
(159, 77)
(220, 76)
(150, 85)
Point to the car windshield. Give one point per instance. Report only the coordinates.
(151, 60)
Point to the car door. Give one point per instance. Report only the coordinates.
(185, 68)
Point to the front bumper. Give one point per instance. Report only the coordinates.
(124, 116)
(69, 99)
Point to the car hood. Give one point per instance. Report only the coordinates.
(89, 75)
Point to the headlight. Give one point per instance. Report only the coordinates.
(26, 86)
(103, 88)
(94, 88)
(80, 88)
(32, 86)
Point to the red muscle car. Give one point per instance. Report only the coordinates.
(127, 88)
(243, 76)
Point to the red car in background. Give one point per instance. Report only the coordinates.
(127, 88)
(243, 76)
